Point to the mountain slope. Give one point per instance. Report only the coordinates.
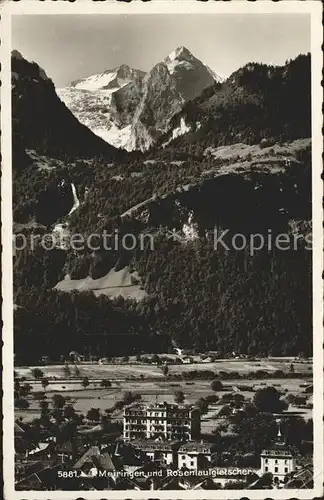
(41, 122)
(256, 102)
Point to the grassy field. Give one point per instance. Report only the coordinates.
(159, 391)
(123, 370)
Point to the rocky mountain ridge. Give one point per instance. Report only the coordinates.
(131, 109)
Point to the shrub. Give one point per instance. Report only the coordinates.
(216, 385)
(105, 383)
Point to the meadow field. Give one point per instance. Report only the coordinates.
(157, 391)
(122, 371)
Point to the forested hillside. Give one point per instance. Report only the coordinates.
(245, 168)
(256, 102)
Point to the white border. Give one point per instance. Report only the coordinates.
(314, 8)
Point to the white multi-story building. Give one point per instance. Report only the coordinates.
(163, 421)
(194, 455)
(278, 460)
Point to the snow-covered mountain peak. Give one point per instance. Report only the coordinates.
(180, 53)
(111, 79)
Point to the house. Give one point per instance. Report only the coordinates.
(278, 460)
(158, 450)
(194, 455)
(68, 450)
(42, 449)
(127, 458)
(301, 479)
(44, 477)
(187, 360)
(93, 461)
(209, 359)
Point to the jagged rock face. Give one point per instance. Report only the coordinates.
(167, 87)
(106, 102)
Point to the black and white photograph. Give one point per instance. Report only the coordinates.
(162, 249)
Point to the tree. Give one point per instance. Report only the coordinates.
(45, 383)
(58, 401)
(268, 400)
(37, 373)
(57, 413)
(43, 406)
(202, 405)
(85, 382)
(93, 414)
(69, 412)
(17, 388)
(129, 397)
(216, 385)
(76, 371)
(179, 397)
(225, 411)
(266, 480)
(25, 390)
(105, 383)
(156, 359)
(165, 370)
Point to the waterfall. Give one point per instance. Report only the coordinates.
(76, 201)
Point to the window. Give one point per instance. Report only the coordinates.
(266, 469)
(276, 469)
(183, 457)
(192, 463)
(276, 461)
(266, 460)
(286, 470)
(286, 462)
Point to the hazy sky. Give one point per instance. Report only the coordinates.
(69, 47)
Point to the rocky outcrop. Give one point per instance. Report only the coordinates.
(167, 88)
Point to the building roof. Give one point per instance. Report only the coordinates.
(196, 447)
(41, 447)
(100, 460)
(151, 444)
(158, 407)
(91, 452)
(19, 429)
(170, 406)
(276, 453)
(65, 447)
(302, 479)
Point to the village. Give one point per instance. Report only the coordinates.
(245, 430)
